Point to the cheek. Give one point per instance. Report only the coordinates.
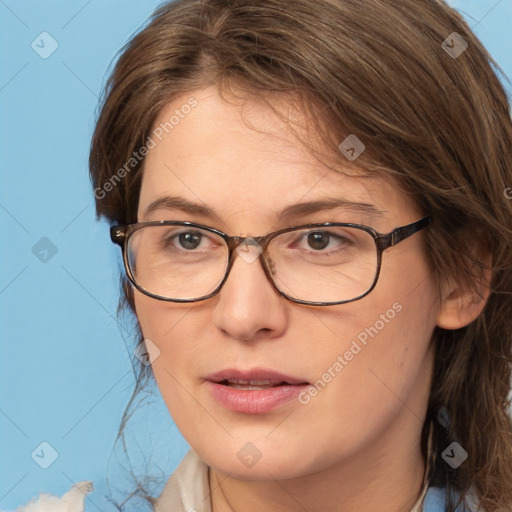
(176, 338)
(408, 291)
(153, 317)
(385, 349)
(166, 325)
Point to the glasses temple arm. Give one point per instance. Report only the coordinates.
(400, 234)
(404, 232)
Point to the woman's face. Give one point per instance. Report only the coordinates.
(373, 357)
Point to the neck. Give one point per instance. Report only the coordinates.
(387, 477)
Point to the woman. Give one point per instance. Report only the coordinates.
(310, 197)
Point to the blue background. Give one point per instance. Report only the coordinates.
(65, 370)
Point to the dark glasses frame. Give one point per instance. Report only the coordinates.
(121, 234)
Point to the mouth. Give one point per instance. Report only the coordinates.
(253, 384)
(256, 377)
(255, 391)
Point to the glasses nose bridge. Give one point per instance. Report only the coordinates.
(234, 242)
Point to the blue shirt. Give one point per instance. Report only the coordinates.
(435, 501)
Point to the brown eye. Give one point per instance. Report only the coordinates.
(319, 240)
(190, 240)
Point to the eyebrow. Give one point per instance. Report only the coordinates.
(294, 210)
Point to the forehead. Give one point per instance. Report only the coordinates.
(242, 160)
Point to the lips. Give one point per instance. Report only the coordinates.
(254, 391)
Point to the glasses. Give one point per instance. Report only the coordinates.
(314, 264)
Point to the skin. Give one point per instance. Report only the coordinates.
(356, 445)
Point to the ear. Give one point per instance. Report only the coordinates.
(462, 304)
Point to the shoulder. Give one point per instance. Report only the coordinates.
(188, 488)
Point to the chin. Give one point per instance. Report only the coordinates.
(249, 463)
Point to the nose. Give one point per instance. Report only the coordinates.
(248, 306)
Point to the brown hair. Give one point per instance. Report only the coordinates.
(439, 124)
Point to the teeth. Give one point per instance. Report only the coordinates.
(251, 384)
(248, 388)
(254, 382)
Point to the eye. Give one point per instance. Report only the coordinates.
(189, 240)
(319, 240)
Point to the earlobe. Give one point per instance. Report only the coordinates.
(462, 304)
